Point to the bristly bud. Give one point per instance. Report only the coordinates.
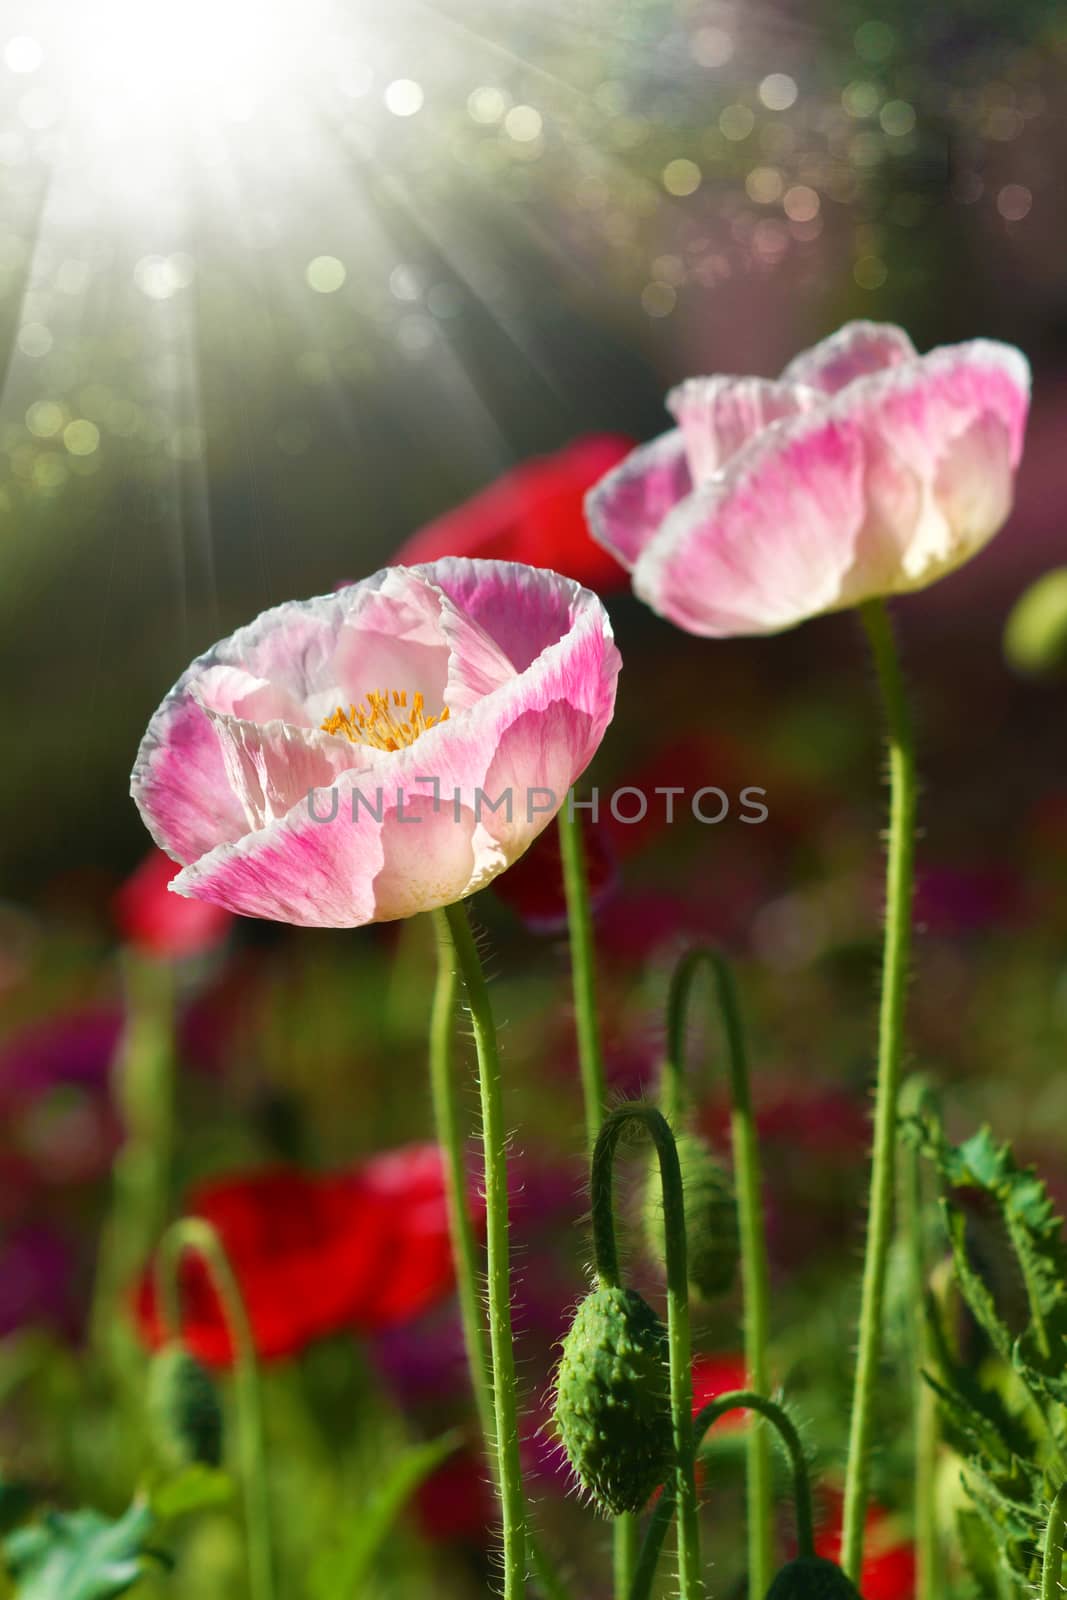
(613, 1400)
(712, 1245)
(812, 1578)
(185, 1417)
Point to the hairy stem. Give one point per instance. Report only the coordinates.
(1052, 1560)
(501, 1342)
(705, 1420)
(899, 880)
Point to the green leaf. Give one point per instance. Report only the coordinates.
(195, 1488)
(1035, 1232)
(340, 1573)
(80, 1555)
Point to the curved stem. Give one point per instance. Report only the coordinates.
(705, 1420)
(899, 877)
(753, 1239)
(494, 1140)
(605, 1246)
(746, 1399)
(1052, 1560)
(193, 1234)
(591, 1069)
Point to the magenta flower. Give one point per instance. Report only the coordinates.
(865, 470)
(382, 750)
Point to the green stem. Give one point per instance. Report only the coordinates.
(705, 1420)
(583, 971)
(752, 1233)
(193, 1234)
(494, 1139)
(1052, 1561)
(690, 1581)
(625, 1543)
(747, 1399)
(451, 1138)
(913, 1102)
(591, 1069)
(899, 878)
(144, 1093)
(461, 1226)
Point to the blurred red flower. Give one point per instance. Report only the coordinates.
(364, 1249)
(715, 1375)
(158, 923)
(888, 1561)
(534, 514)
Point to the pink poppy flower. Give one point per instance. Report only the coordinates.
(865, 470)
(382, 750)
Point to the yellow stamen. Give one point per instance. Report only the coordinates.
(376, 722)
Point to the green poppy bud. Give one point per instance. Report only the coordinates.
(1035, 637)
(613, 1400)
(712, 1245)
(812, 1578)
(185, 1417)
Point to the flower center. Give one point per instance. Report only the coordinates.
(384, 720)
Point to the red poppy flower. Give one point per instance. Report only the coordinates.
(888, 1561)
(533, 886)
(714, 1376)
(158, 923)
(534, 514)
(364, 1249)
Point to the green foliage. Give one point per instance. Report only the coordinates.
(613, 1399)
(341, 1573)
(80, 1555)
(196, 1488)
(1005, 1419)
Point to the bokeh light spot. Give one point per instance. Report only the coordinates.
(325, 274)
(404, 97)
(1014, 202)
(81, 436)
(45, 418)
(23, 54)
(778, 91)
(681, 177)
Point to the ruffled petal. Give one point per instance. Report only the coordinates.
(855, 351)
(271, 766)
(895, 481)
(425, 825)
(718, 415)
(628, 506)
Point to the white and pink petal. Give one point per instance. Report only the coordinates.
(629, 505)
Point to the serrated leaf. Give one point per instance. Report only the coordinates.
(1035, 1232)
(195, 1488)
(80, 1555)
